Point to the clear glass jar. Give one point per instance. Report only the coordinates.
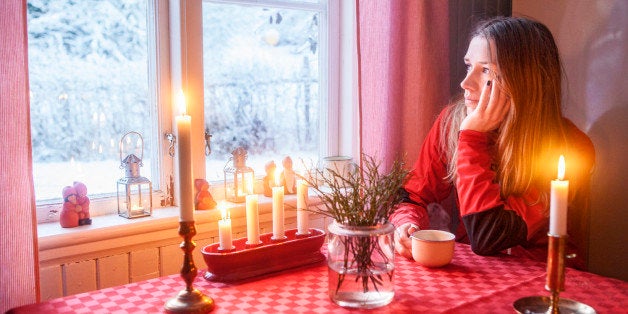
(360, 265)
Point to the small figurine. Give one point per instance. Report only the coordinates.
(269, 179)
(83, 201)
(288, 176)
(204, 199)
(75, 210)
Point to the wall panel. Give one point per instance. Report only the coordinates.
(79, 277)
(113, 270)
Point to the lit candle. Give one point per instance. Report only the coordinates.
(136, 209)
(302, 215)
(558, 202)
(252, 219)
(278, 220)
(224, 228)
(186, 187)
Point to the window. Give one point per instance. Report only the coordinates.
(265, 69)
(90, 82)
(99, 69)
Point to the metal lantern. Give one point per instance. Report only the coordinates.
(135, 193)
(238, 177)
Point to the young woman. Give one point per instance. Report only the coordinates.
(498, 148)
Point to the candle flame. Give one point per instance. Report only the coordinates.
(181, 103)
(561, 167)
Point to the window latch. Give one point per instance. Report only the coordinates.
(172, 139)
(208, 142)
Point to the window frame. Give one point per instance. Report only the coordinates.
(173, 26)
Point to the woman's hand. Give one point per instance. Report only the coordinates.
(491, 110)
(403, 243)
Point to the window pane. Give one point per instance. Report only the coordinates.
(261, 74)
(89, 86)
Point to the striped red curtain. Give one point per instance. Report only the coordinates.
(403, 74)
(19, 270)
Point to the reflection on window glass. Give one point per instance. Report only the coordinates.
(261, 76)
(89, 86)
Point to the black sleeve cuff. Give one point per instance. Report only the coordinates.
(405, 197)
(495, 230)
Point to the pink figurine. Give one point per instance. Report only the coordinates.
(204, 199)
(83, 202)
(69, 217)
(75, 210)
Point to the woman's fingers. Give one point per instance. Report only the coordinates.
(498, 103)
(492, 107)
(403, 243)
(485, 97)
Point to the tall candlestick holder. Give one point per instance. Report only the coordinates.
(555, 280)
(554, 283)
(189, 300)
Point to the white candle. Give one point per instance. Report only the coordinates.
(224, 229)
(278, 220)
(558, 202)
(302, 215)
(186, 184)
(252, 219)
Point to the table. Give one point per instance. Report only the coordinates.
(471, 283)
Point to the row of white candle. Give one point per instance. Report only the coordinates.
(183, 123)
(252, 217)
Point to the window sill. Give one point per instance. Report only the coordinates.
(112, 234)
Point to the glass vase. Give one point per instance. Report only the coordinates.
(360, 265)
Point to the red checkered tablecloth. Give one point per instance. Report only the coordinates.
(471, 283)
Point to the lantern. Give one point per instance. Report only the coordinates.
(238, 177)
(135, 193)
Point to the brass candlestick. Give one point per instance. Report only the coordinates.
(189, 300)
(554, 283)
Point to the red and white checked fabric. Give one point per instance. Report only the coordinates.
(471, 283)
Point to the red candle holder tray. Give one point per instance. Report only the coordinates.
(246, 261)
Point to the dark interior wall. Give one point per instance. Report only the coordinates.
(463, 14)
(592, 40)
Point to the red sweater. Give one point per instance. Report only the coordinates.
(489, 222)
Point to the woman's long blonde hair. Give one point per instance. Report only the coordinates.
(531, 136)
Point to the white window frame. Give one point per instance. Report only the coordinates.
(175, 63)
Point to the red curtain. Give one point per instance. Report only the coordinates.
(19, 270)
(403, 70)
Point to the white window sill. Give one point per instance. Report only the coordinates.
(109, 234)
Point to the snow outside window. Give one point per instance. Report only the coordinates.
(265, 74)
(89, 85)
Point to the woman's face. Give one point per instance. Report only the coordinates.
(481, 67)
